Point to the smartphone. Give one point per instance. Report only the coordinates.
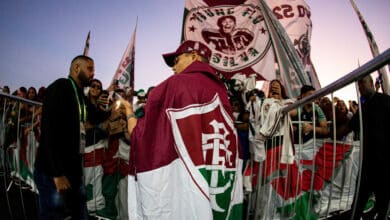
(105, 95)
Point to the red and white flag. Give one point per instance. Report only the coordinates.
(243, 41)
(86, 47)
(191, 170)
(124, 75)
(290, 68)
(235, 32)
(295, 17)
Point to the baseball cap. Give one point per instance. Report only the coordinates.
(187, 47)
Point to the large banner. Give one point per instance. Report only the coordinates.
(295, 17)
(247, 37)
(235, 32)
(290, 68)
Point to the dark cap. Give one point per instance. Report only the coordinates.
(187, 47)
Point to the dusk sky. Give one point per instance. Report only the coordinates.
(39, 38)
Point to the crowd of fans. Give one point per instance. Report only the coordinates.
(242, 102)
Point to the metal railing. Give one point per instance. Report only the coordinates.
(369, 67)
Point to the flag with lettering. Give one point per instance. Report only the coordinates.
(124, 75)
(185, 157)
(86, 47)
(236, 33)
(290, 68)
(295, 17)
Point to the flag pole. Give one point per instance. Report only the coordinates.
(86, 47)
(374, 50)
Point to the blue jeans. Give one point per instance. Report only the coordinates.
(55, 205)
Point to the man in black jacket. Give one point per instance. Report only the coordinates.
(58, 165)
(375, 178)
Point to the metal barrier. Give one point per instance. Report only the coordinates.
(17, 154)
(19, 140)
(322, 179)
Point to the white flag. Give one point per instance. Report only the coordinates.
(235, 32)
(124, 75)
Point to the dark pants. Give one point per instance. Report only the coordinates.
(372, 181)
(375, 182)
(54, 205)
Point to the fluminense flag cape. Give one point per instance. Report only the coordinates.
(86, 47)
(295, 17)
(236, 33)
(124, 75)
(185, 159)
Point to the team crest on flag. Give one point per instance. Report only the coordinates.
(236, 34)
(206, 142)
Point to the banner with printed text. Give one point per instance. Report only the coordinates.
(236, 34)
(124, 75)
(295, 17)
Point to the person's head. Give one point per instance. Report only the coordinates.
(335, 100)
(235, 105)
(141, 95)
(227, 24)
(41, 93)
(22, 92)
(366, 87)
(82, 70)
(95, 88)
(276, 90)
(341, 106)
(120, 92)
(187, 53)
(6, 89)
(307, 90)
(32, 93)
(251, 95)
(353, 104)
(149, 91)
(325, 102)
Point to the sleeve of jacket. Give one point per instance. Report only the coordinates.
(59, 131)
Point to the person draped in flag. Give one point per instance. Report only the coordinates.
(184, 151)
(272, 153)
